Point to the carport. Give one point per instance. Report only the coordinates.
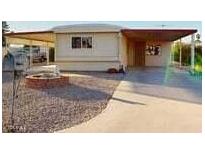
(43, 39)
(138, 39)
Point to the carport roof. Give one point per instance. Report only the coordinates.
(157, 34)
(138, 34)
(44, 36)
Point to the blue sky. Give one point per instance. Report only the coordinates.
(45, 25)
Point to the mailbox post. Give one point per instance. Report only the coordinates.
(15, 64)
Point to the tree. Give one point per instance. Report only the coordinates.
(186, 52)
(5, 29)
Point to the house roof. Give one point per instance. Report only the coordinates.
(86, 28)
(157, 34)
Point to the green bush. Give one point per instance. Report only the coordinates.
(186, 54)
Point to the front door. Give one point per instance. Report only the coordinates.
(139, 54)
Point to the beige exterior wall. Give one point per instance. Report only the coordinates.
(161, 60)
(103, 55)
(87, 66)
(123, 50)
(109, 50)
(130, 53)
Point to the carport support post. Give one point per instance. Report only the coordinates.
(180, 53)
(7, 46)
(47, 53)
(192, 51)
(172, 57)
(120, 46)
(30, 53)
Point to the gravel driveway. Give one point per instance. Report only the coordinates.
(50, 110)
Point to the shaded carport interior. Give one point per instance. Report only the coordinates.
(161, 35)
(35, 38)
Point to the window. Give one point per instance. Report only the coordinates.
(153, 50)
(81, 42)
(86, 42)
(76, 42)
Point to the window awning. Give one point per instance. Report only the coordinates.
(157, 34)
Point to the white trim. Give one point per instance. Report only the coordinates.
(30, 52)
(55, 49)
(180, 53)
(192, 51)
(81, 36)
(47, 53)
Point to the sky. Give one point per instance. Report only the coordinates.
(46, 25)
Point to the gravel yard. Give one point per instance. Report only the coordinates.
(49, 110)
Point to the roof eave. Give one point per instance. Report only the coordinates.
(29, 32)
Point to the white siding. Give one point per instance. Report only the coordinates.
(104, 50)
(109, 50)
(161, 60)
(87, 66)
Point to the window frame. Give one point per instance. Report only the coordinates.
(154, 46)
(72, 42)
(86, 42)
(81, 46)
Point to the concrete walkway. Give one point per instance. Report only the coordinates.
(132, 111)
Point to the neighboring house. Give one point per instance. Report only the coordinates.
(98, 47)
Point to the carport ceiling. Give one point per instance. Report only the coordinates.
(157, 34)
(45, 36)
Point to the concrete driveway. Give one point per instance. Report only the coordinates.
(151, 100)
(165, 83)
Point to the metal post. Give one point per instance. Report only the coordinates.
(13, 94)
(7, 42)
(180, 54)
(13, 100)
(192, 51)
(6, 49)
(120, 52)
(173, 56)
(171, 62)
(47, 53)
(31, 55)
